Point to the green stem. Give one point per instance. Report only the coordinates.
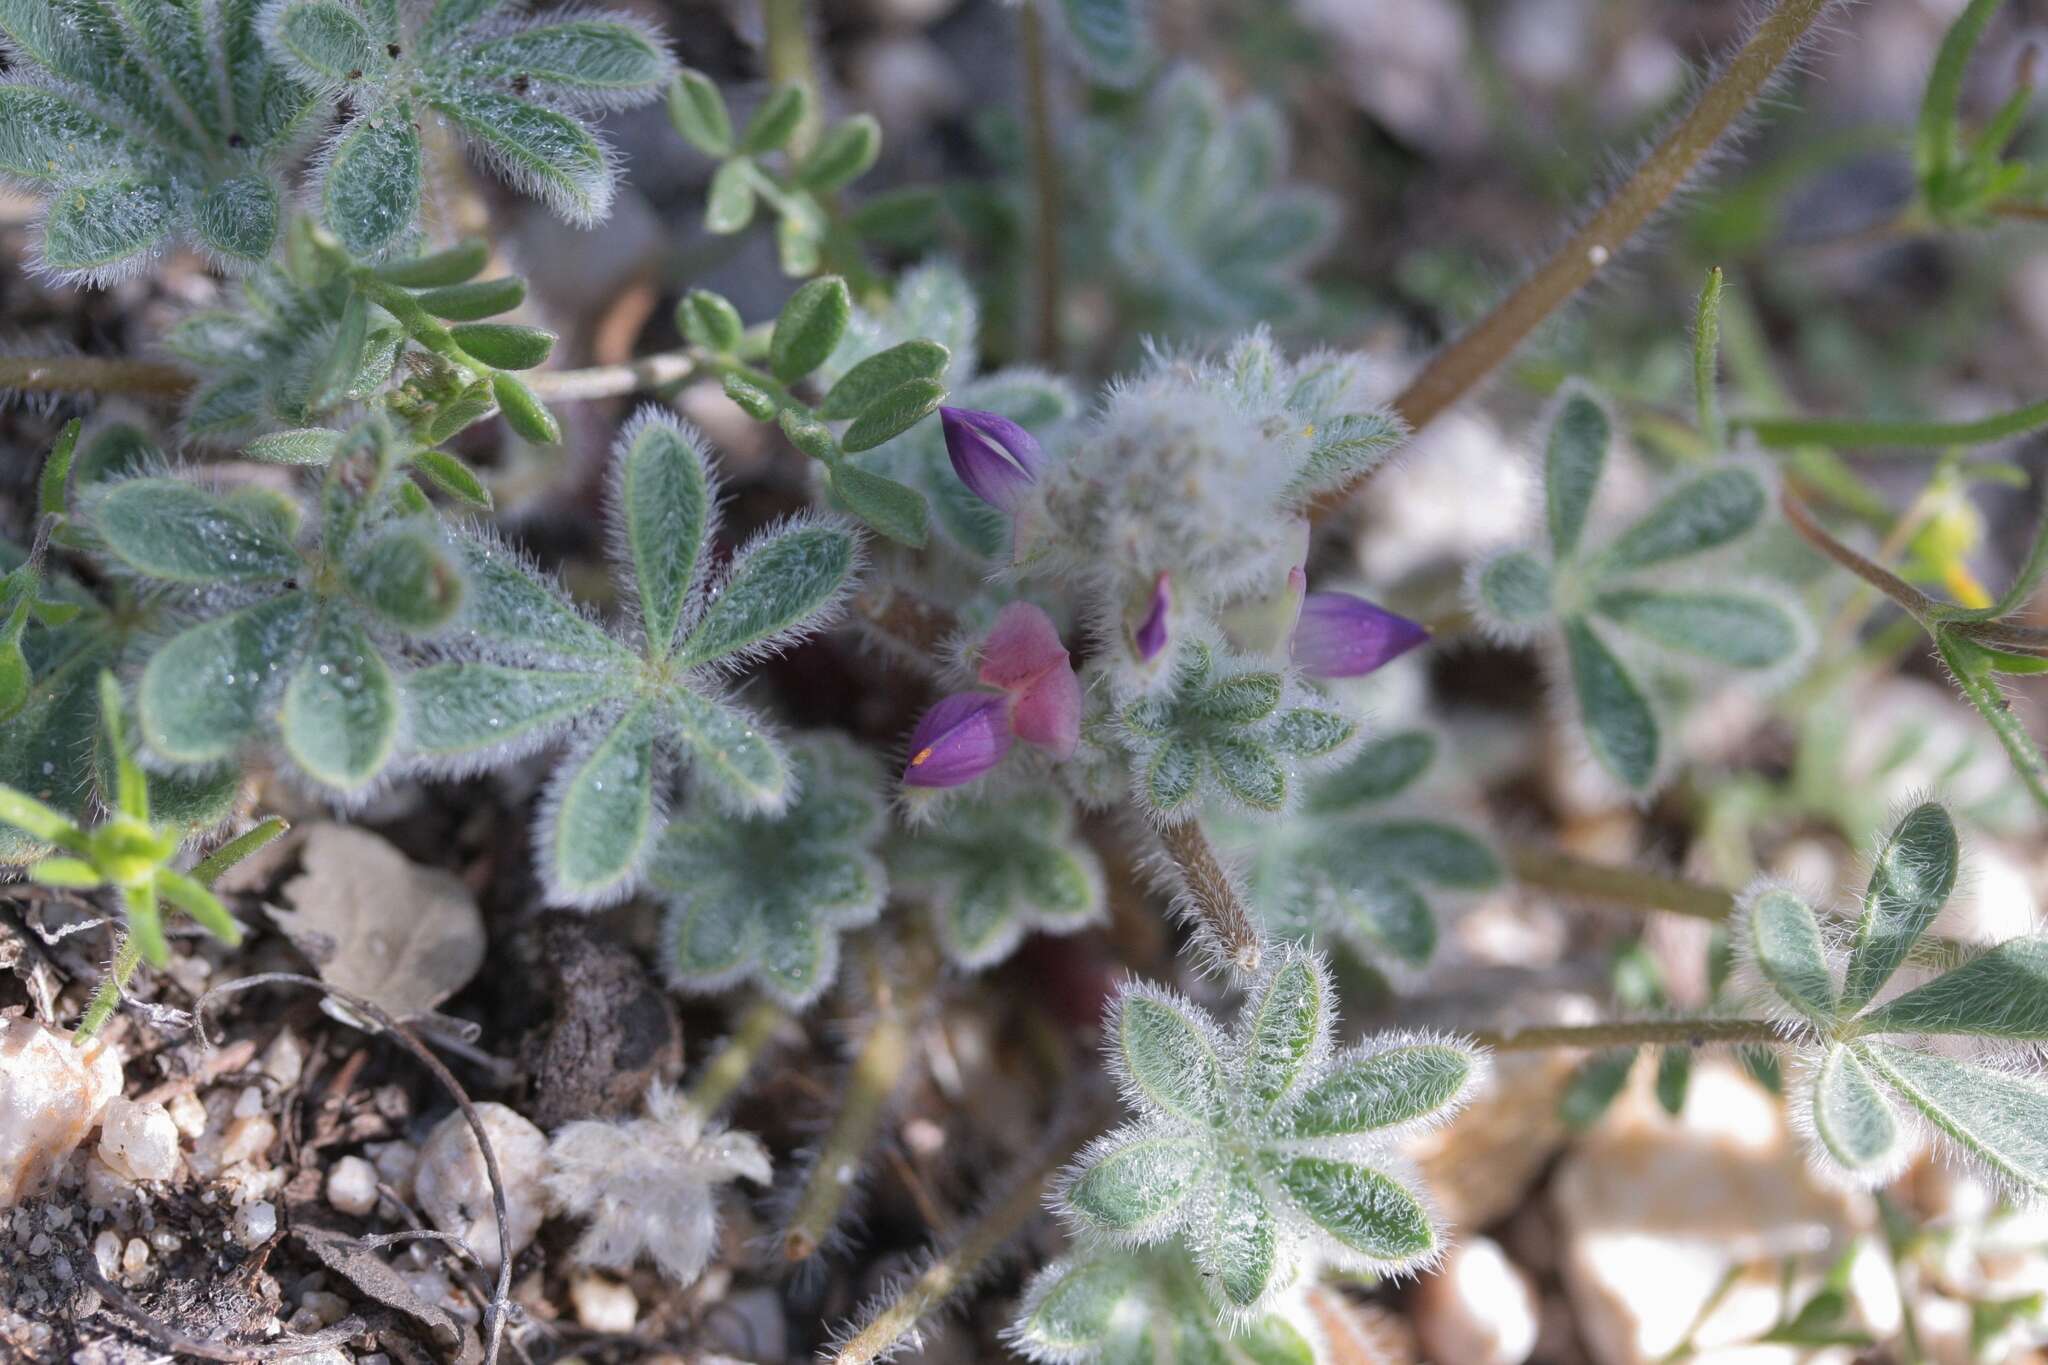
(1212, 895)
(787, 28)
(1706, 362)
(1853, 433)
(1554, 871)
(1984, 694)
(127, 957)
(208, 869)
(871, 1083)
(1466, 362)
(1631, 1033)
(736, 1056)
(1023, 1190)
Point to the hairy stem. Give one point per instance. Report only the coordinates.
(92, 374)
(1880, 434)
(1212, 894)
(1022, 1187)
(1466, 362)
(877, 1070)
(1629, 1033)
(1045, 184)
(734, 1061)
(1555, 871)
(656, 371)
(127, 957)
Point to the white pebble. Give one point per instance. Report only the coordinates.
(139, 1141)
(395, 1163)
(249, 1103)
(245, 1140)
(188, 1113)
(134, 1257)
(284, 1061)
(352, 1186)
(255, 1223)
(602, 1304)
(453, 1185)
(51, 1094)
(327, 1309)
(1477, 1308)
(106, 1249)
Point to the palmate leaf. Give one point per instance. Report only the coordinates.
(598, 819)
(504, 80)
(145, 120)
(778, 586)
(1852, 1117)
(994, 870)
(767, 897)
(1574, 458)
(1620, 725)
(204, 693)
(664, 507)
(2002, 993)
(1785, 940)
(339, 718)
(1262, 1152)
(172, 531)
(1734, 630)
(1702, 514)
(1123, 1307)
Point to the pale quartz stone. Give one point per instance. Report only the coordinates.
(603, 1304)
(245, 1139)
(453, 1185)
(284, 1061)
(255, 1223)
(106, 1251)
(352, 1186)
(1654, 1214)
(139, 1141)
(51, 1095)
(188, 1113)
(134, 1257)
(395, 1162)
(1477, 1308)
(327, 1309)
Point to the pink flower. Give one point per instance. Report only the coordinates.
(997, 459)
(1342, 636)
(1037, 699)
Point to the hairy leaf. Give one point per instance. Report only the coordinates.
(1621, 729)
(1851, 1116)
(1574, 458)
(665, 512)
(2000, 994)
(204, 692)
(170, 530)
(775, 588)
(1914, 874)
(339, 721)
(1785, 937)
(600, 813)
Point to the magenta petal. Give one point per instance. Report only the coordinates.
(1048, 712)
(1022, 645)
(958, 740)
(1150, 636)
(1341, 636)
(997, 459)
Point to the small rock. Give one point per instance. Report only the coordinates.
(139, 1141)
(453, 1185)
(134, 1257)
(284, 1061)
(327, 1309)
(188, 1113)
(603, 1305)
(352, 1186)
(106, 1250)
(1655, 1215)
(245, 1139)
(1477, 1308)
(395, 1162)
(255, 1223)
(51, 1094)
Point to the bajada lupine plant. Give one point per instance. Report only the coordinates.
(993, 869)
(1866, 1070)
(510, 84)
(301, 629)
(1198, 230)
(1354, 865)
(1260, 1151)
(640, 702)
(765, 898)
(1621, 619)
(1120, 1307)
(1186, 499)
(1227, 733)
(145, 121)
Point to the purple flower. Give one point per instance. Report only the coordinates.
(958, 740)
(1149, 635)
(994, 457)
(1341, 636)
